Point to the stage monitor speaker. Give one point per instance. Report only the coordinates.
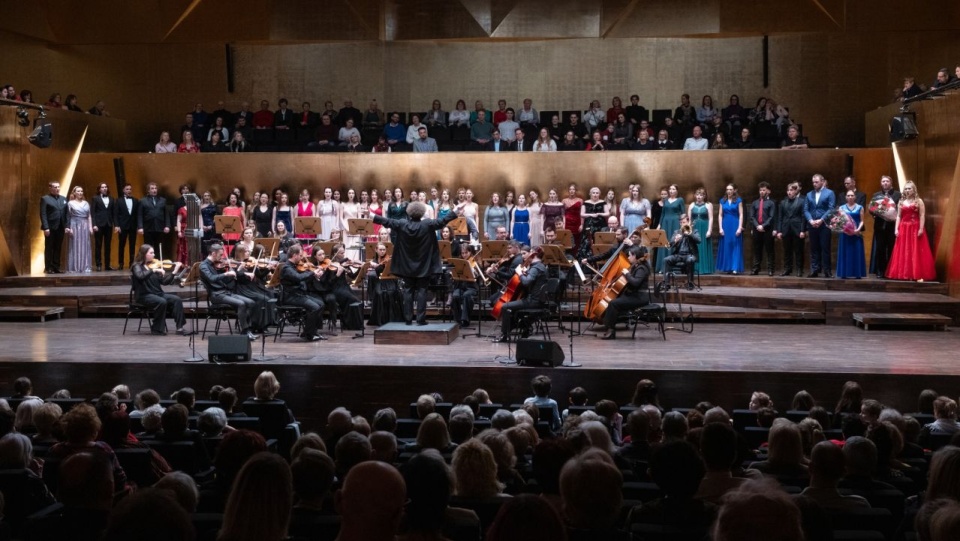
(903, 126)
(229, 349)
(42, 135)
(539, 352)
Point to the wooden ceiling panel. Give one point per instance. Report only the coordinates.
(433, 19)
(309, 20)
(546, 19)
(653, 18)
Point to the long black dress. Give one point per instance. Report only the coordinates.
(265, 313)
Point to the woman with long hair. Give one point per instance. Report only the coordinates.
(283, 213)
(79, 229)
(700, 214)
(259, 505)
(305, 209)
(730, 248)
(673, 208)
(912, 258)
(495, 216)
(572, 220)
(165, 145)
(329, 212)
(233, 208)
(188, 146)
(544, 142)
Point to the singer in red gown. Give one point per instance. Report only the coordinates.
(912, 258)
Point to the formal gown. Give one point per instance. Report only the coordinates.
(207, 215)
(634, 212)
(285, 217)
(536, 225)
(183, 249)
(730, 247)
(305, 210)
(494, 217)
(912, 258)
(549, 214)
(851, 259)
(572, 221)
(351, 211)
(378, 210)
(701, 221)
(79, 255)
(329, 221)
(521, 226)
(669, 223)
(233, 211)
(263, 220)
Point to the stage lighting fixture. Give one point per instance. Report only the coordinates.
(23, 117)
(42, 135)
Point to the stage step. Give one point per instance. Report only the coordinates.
(432, 334)
(31, 312)
(108, 278)
(912, 321)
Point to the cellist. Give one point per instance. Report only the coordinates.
(533, 279)
(634, 294)
(503, 270)
(621, 238)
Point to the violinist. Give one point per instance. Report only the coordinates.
(533, 280)
(246, 240)
(337, 276)
(503, 270)
(148, 290)
(634, 294)
(221, 280)
(321, 289)
(293, 280)
(249, 285)
(456, 247)
(683, 250)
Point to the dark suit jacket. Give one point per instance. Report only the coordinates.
(123, 219)
(790, 218)
(527, 146)
(53, 212)
(816, 211)
(313, 120)
(286, 118)
(769, 214)
(153, 215)
(502, 146)
(416, 254)
(104, 215)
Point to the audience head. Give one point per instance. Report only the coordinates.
(371, 501)
(826, 465)
(926, 400)
(460, 427)
(383, 446)
(24, 420)
(860, 456)
(425, 405)
(718, 445)
(674, 426)
(944, 474)
(541, 385)
(310, 440)
(146, 398)
(802, 401)
(851, 395)
(16, 452)
(175, 420)
(86, 480)
(152, 418)
(475, 470)
(646, 393)
(313, 474)
(186, 396)
(943, 408)
(227, 398)
(260, 500)
(754, 510)
(429, 486)
(81, 424)
(785, 444)
(22, 387)
(433, 433)
(527, 517)
(183, 488)
(352, 449)
(233, 452)
(212, 422)
(591, 489)
(760, 400)
(150, 514)
(266, 386)
(46, 418)
(677, 469)
(502, 420)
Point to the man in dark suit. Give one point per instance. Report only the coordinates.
(153, 222)
(104, 217)
(850, 183)
(883, 231)
(819, 202)
(763, 220)
(283, 118)
(497, 144)
(53, 222)
(416, 255)
(792, 229)
(125, 216)
(520, 144)
(683, 250)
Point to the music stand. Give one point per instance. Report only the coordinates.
(493, 250)
(326, 246)
(306, 225)
(446, 252)
(554, 255)
(370, 248)
(654, 238)
(360, 227)
(605, 237)
(565, 237)
(600, 248)
(230, 225)
(270, 245)
(459, 227)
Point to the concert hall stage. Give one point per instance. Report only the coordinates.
(775, 334)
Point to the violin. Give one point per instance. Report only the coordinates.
(160, 264)
(303, 266)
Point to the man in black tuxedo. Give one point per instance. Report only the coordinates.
(104, 220)
(497, 144)
(125, 216)
(683, 250)
(53, 222)
(519, 144)
(153, 222)
(883, 231)
(792, 229)
(416, 255)
(763, 220)
(850, 183)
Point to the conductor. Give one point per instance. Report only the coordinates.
(416, 255)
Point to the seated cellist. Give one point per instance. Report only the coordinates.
(533, 279)
(635, 292)
(621, 238)
(503, 270)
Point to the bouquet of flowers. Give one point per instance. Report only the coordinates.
(884, 208)
(839, 222)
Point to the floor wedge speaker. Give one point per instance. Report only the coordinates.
(228, 349)
(539, 352)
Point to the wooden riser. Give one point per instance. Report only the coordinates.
(432, 334)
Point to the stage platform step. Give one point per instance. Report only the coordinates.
(107, 278)
(912, 321)
(31, 312)
(431, 334)
(874, 285)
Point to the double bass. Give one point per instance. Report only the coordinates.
(612, 281)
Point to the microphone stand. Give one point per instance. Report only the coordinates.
(263, 334)
(194, 357)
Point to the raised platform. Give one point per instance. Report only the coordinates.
(42, 313)
(934, 321)
(431, 334)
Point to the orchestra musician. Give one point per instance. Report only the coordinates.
(634, 294)
(148, 279)
(503, 270)
(250, 285)
(221, 283)
(621, 238)
(533, 279)
(464, 294)
(293, 280)
(683, 250)
(337, 276)
(322, 288)
(385, 299)
(416, 255)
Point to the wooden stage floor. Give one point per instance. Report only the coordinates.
(771, 348)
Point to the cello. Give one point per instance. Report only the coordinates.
(612, 281)
(512, 291)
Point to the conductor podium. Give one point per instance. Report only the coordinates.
(431, 334)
